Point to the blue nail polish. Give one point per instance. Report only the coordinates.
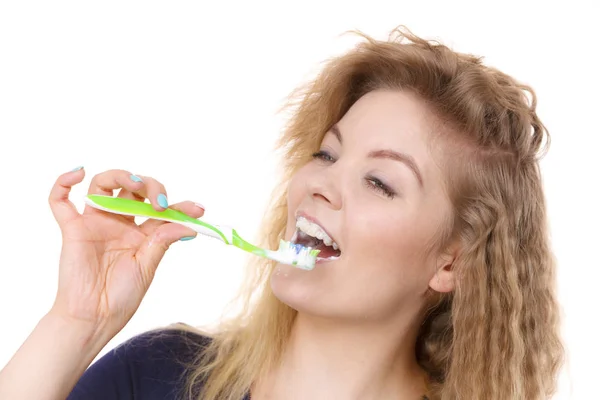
(135, 178)
(77, 169)
(162, 201)
(186, 238)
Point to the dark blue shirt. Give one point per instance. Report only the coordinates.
(150, 366)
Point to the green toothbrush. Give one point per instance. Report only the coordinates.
(288, 253)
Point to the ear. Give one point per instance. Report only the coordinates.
(443, 280)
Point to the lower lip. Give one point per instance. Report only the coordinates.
(327, 260)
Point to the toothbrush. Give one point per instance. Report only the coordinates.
(288, 253)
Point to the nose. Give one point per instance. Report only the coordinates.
(325, 188)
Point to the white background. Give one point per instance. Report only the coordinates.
(187, 92)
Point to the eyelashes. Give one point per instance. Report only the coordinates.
(323, 156)
(370, 181)
(381, 187)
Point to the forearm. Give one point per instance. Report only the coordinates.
(50, 361)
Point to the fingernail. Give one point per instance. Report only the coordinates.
(162, 201)
(135, 178)
(186, 238)
(77, 169)
(200, 205)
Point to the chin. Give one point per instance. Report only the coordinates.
(305, 291)
(295, 287)
(310, 301)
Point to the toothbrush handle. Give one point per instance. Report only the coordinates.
(133, 208)
(222, 233)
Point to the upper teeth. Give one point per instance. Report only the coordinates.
(314, 230)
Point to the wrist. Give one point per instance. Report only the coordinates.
(85, 336)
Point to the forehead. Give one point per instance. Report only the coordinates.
(389, 119)
(393, 120)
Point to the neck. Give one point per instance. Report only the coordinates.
(327, 359)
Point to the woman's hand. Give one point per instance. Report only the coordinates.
(108, 261)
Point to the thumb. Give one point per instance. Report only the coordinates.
(153, 248)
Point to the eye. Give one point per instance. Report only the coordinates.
(381, 187)
(323, 156)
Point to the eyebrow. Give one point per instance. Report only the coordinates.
(336, 131)
(400, 157)
(388, 154)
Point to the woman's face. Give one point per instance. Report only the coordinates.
(378, 194)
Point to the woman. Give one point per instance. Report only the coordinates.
(421, 164)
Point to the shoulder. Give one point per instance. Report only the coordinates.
(151, 365)
(163, 344)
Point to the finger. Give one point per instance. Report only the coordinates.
(137, 195)
(62, 208)
(126, 194)
(155, 192)
(153, 249)
(131, 186)
(194, 210)
(106, 182)
(150, 189)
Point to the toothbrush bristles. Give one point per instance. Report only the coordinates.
(297, 255)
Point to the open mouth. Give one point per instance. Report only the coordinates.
(310, 234)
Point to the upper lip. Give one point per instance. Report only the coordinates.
(316, 221)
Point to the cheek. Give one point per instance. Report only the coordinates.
(297, 188)
(389, 240)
